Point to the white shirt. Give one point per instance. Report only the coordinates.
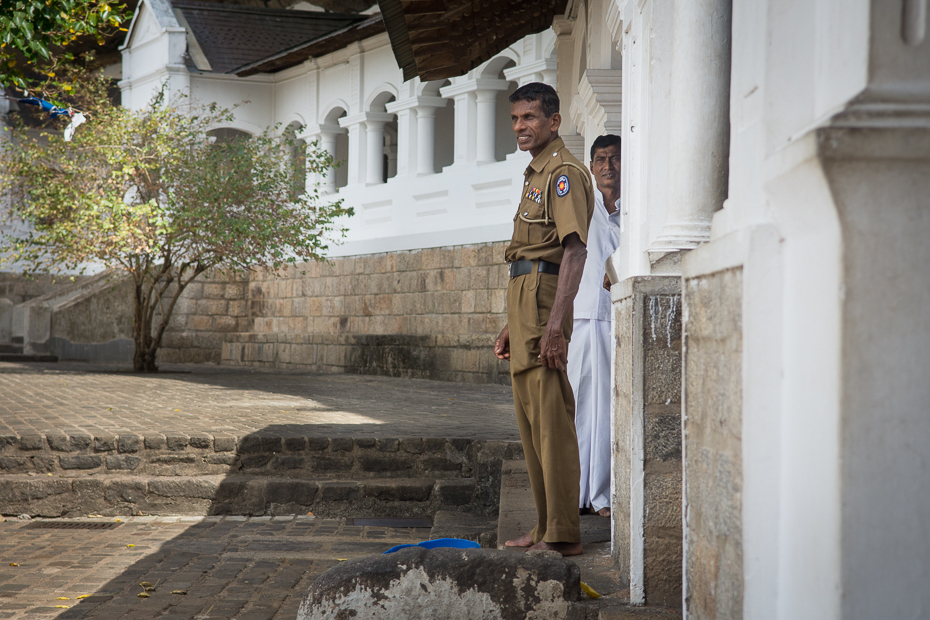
(593, 300)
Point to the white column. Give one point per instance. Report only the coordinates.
(326, 135)
(426, 139)
(407, 139)
(475, 111)
(486, 126)
(374, 129)
(357, 148)
(416, 133)
(699, 126)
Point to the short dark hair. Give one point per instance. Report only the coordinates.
(537, 91)
(602, 142)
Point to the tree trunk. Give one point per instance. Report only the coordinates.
(143, 358)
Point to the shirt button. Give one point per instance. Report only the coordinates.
(526, 213)
(527, 183)
(556, 153)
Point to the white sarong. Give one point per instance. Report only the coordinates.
(589, 374)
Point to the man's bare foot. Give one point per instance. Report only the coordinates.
(604, 512)
(565, 548)
(524, 541)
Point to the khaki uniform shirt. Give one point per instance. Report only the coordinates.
(536, 234)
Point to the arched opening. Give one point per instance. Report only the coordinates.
(337, 143)
(505, 142)
(223, 135)
(444, 128)
(383, 134)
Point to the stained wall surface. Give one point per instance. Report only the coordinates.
(713, 444)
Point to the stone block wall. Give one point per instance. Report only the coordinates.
(212, 309)
(713, 444)
(430, 313)
(647, 476)
(17, 289)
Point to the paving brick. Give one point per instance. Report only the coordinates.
(129, 442)
(155, 441)
(388, 444)
(105, 442)
(31, 441)
(81, 441)
(385, 463)
(338, 491)
(83, 461)
(417, 490)
(318, 444)
(224, 443)
(122, 462)
(176, 441)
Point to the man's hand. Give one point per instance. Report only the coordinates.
(502, 344)
(553, 350)
(606, 282)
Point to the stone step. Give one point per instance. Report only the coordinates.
(23, 357)
(56, 496)
(173, 454)
(8, 347)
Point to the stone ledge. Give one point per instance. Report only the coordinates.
(228, 495)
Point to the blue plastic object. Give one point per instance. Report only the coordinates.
(455, 543)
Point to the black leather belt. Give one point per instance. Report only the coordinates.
(523, 267)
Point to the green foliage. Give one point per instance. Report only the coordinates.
(149, 192)
(37, 32)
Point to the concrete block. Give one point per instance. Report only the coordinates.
(81, 441)
(129, 443)
(286, 462)
(30, 441)
(83, 461)
(105, 442)
(250, 444)
(456, 492)
(327, 464)
(412, 445)
(300, 492)
(318, 444)
(366, 442)
(125, 490)
(272, 443)
(224, 443)
(255, 461)
(295, 444)
(331, 491)
(415, 489)
(388, 445)
(385, 463)
(121, 462)
(200, 440)
(341, 444)
(222, 459)
(176, 441)
(201, 488)
(155, 441)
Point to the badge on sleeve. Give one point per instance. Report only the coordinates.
(561, 186)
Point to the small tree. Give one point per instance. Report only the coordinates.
(151, 193)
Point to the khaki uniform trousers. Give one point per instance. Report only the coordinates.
(545, 408)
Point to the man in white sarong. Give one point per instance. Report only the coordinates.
(589, 352)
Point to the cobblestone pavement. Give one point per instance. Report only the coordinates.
(96, 398)
(254, 568)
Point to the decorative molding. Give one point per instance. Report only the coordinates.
(599, 101)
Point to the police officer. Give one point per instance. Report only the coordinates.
(546, 258)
